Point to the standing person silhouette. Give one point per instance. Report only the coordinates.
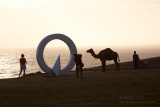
(79, 64)
(135, 60)
(23, 62)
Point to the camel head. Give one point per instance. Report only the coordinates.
(90, 50)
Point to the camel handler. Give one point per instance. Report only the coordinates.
(79, 64)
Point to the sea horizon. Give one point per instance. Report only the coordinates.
(9, 58)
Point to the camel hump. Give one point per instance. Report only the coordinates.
(109, 50)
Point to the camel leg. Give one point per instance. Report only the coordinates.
(103, 66)
(117, 64)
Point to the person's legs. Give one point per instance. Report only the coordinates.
(20, 72)
(23, 67)
(135, 65)
(77, 71)
(24, 72)
(81, 70)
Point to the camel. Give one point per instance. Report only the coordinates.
(106, 54)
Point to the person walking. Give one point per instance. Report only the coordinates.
(136, 60)
(23, 63)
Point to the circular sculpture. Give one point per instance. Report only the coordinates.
(56, 68)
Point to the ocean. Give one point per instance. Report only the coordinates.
(9, 58)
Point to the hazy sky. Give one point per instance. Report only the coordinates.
(23, 23)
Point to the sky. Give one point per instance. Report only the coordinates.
(24, 23)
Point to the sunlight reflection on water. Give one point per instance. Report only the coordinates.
(9, 58)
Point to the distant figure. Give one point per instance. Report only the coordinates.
(79, 64)
(22, 65)
(106, 54)
(135, 60)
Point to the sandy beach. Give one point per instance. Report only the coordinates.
(126, 88)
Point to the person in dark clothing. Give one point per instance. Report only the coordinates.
(79, 64)
(135, 60)
(22, 65)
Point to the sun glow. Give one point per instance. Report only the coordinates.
(87, 22)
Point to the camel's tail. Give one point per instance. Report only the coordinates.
(118, 57)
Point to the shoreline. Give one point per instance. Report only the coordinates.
(152, 63)
(96, 88)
